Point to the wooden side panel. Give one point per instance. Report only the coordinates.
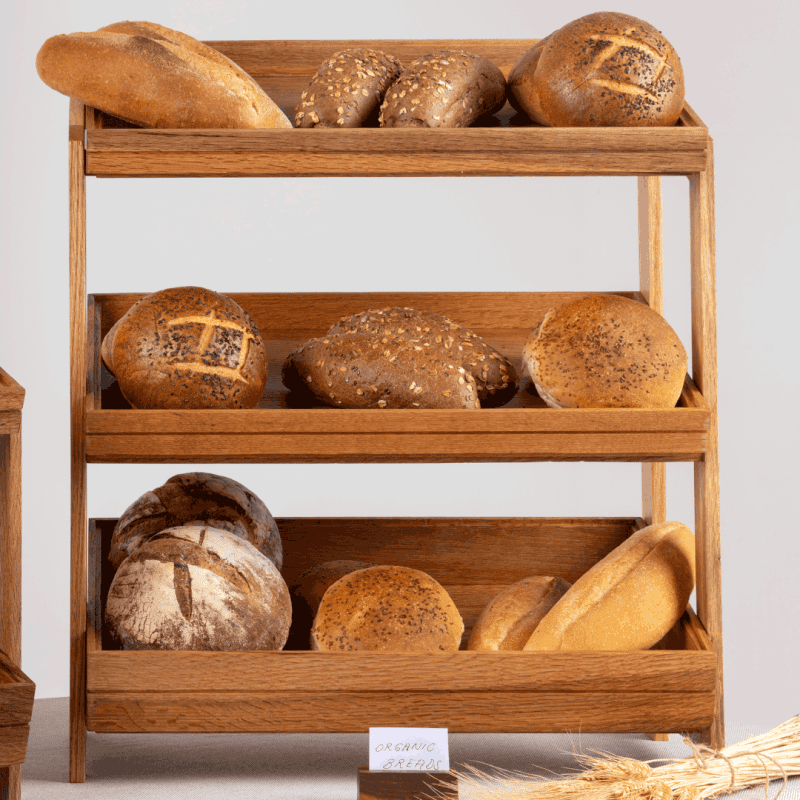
(13, 747)
(381, 785)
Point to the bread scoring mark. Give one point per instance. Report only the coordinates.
(617, 42)
(182, 581)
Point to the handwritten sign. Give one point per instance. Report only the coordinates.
(408, 749)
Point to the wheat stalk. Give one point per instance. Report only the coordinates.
(758, 761)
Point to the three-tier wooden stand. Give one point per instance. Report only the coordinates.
(672, 688)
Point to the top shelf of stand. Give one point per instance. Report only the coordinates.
(506, 143)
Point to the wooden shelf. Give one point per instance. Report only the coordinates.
(16, 707)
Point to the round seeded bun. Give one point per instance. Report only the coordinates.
(198, 588)
(187, 347)
(605, 69)
(511, 617)
(387, 609)
(200, 498)
(605, 351)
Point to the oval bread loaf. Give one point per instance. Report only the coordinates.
(628, 600)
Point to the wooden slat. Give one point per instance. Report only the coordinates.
(11, 540)
(16, 694)
(12, 395)
(13, 748)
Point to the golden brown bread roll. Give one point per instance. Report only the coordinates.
(627, 601)
(157, 78)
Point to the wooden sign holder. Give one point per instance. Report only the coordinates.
(384, 785)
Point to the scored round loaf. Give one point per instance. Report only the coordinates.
(387, 609)
(347, 89)
(198, 588)
(445, 89)
(628, 600)
(605, 69)
(197, 498)
(187, 347)
(156, 77)
(511, 617)
(605, 351)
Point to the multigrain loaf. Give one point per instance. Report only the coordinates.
(347, 89)
(387, 609)
(198, 588)
(156, 77)
(628, 600)
(444, 89)
(605, 351)
(197, 498)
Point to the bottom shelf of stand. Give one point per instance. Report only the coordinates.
(16, 707)
(669, 688)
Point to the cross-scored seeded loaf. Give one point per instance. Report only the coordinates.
(157, 78)
(348, 87)
(187, 347)
(197, 498)
(198, 588)
(387, 609)
(446, 89)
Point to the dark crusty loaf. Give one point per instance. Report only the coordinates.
(197, 498)
(348, 87)
(445, 89)
(157, 78)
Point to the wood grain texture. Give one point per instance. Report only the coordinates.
(11, 540)
(384, 785)
(11, 781)
(16, 695)
(12, 395)
(13, 748)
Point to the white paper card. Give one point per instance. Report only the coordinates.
(408, 749)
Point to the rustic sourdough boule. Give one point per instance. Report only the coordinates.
(605, 351)
(387, 609)
(346, 90)
(187, 347)
(446, 89)
(199, 498)
(157, 78)
(198, 588)
(628, 600)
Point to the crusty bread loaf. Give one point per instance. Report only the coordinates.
(605, 351)
(445, 89)
(187, 347)
(157, 78)
(602, 69)
(347, 89)
(387, 609)
(511, 617)
(628, 600)
(200, 498)
(198, 588)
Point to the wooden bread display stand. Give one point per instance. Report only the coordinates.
(16, 689)
(675, 687)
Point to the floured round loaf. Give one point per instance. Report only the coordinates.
(197, 498)
(198, 588)
(605, 351)
(605, 69)
(157, 78)
(387, 609)
(628, 600)
(187, 347)
(511, 617)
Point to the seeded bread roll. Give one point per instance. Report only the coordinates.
(347, 89)
(197, 498)
(605, 351)
(511, 617)
(602, 69)
(446, 89)
(387, 609)
(198, 588)
(157, 78)
(187, 347)
(627, 601)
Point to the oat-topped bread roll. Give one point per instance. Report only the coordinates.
(628, 600)
(346, 90)
(387, 609)
(198, 588)
(199, 498)
(602, 69)
(157, 78)
(605, 351)
(511, 617)
(187, 347)
(446, 89)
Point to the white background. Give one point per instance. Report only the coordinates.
(469, 234)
